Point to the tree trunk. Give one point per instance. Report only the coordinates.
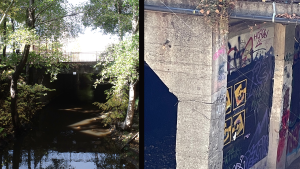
(13, 29)
(4, 36)
(135, 20)
(15, 76)
(14, 90)
(13, 105)
(27, 74)
(127, 124)
(119, 20)
(5, 13)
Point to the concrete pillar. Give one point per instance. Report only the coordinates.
(284, 52)
(180, 49)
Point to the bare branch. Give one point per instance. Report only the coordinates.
(73, 14)
(43, 10)
(2, 19)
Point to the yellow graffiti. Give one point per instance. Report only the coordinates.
(238, 125)
(228, 101)
(239, 94)
(234, 127)
(227, 133)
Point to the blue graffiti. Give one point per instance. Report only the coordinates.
(258, 147)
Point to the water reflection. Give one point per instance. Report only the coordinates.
(56, 143)
(68, 135)
(29, 154)
(86, 153)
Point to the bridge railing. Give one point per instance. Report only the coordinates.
(84, 57)
(79, 56)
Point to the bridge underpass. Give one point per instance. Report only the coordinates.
(60, 138)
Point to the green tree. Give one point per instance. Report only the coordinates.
(122, 72)
(41, 17)
(111, 16)
(6, 11)
(121, 62)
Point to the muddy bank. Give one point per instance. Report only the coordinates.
(128, 146)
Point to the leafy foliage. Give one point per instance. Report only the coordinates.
(34, 24)
(115, 107)
(112, 17)
(120, 63)
(28, 103)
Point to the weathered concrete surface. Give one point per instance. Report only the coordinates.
(81, 67)
(277, 95)
(180, 48)
(264, 9)
(191, 4)
(179, 64)
(283, 45)
(241, 7)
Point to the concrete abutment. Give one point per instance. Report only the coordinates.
(235, 92)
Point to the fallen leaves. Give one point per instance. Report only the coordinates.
(288, 16)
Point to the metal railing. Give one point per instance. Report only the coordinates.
(277, 1)
(85, 57)
(82, 56)
(77, 56)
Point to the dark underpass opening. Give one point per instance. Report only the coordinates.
(68, 132)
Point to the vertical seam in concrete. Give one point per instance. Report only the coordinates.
(275, 117)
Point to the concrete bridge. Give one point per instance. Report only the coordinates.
(238, 93)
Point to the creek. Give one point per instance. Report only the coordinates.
(67, 134)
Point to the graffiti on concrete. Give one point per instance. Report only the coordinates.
(228, 100)
(293, 138)
(221, 51)
(240, 94)
(260, 36)
(288, 57)
(233, 153)
(241, 164)
(258, 147)
(220, 102)
(246, 48)
(283, 127)
(247, 113)
(221, 72)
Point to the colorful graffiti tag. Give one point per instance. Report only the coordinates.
(246, 125)
(293, 137)
(248, 48)
(248, 101)
(284, 120)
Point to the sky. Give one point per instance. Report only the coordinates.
(89, 41)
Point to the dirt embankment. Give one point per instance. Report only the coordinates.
(128, 142)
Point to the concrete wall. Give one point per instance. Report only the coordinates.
(249, 93)
(293, 125)
(180, 49)
(204, 72)
(265, 9)
(284, 49)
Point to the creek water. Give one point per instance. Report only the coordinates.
(67, 134)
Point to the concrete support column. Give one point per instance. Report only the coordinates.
(284, 53)
(191, 60)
